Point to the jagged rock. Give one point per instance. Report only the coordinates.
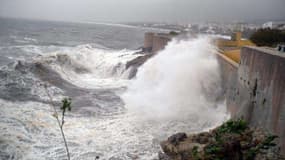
(163, 156)
(134, 64)
(234, 140)
(176, 138)
(202, 138)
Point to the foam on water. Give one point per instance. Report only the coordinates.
(99, 67)
(170, 94)
(34, 135)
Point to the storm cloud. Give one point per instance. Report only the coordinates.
(145, 10)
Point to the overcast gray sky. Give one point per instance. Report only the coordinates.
(144, 10)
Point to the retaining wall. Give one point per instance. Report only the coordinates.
(154, 42)
(255, 89)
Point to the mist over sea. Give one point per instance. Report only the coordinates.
(112, 117)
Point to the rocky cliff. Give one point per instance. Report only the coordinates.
(233, 140)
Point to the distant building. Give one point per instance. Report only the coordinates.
(268, 25)
(274, 25)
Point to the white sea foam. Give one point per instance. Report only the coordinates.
(34, 134)
(177, 82)
(106, 68)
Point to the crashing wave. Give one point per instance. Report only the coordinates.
(66, 70)
(101, 63)
(180, 81)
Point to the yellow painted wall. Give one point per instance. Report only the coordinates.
(233, 54)
(235, 42)
(246, 43)
(230, 43)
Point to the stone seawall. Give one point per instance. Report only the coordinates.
(154, 42)
(255, 89)
(229, 74)
(261, 84)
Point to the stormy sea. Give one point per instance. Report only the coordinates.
(112, 116)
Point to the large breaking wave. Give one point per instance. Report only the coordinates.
(178, 80)
(84, 66)
(181, 82)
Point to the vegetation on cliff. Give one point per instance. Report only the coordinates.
(268, 37)
(173, 33)
(233, 140)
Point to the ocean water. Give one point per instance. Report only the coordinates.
(112, 117)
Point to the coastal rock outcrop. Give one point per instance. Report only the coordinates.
(134, 64)
(233, 140)
(153, 43)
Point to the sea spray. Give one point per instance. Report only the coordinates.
(99, 125)
(181, 81)
(77, 66)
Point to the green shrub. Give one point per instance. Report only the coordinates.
(233, 126)
(173, 33)
(264, 145)
(268, 37)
